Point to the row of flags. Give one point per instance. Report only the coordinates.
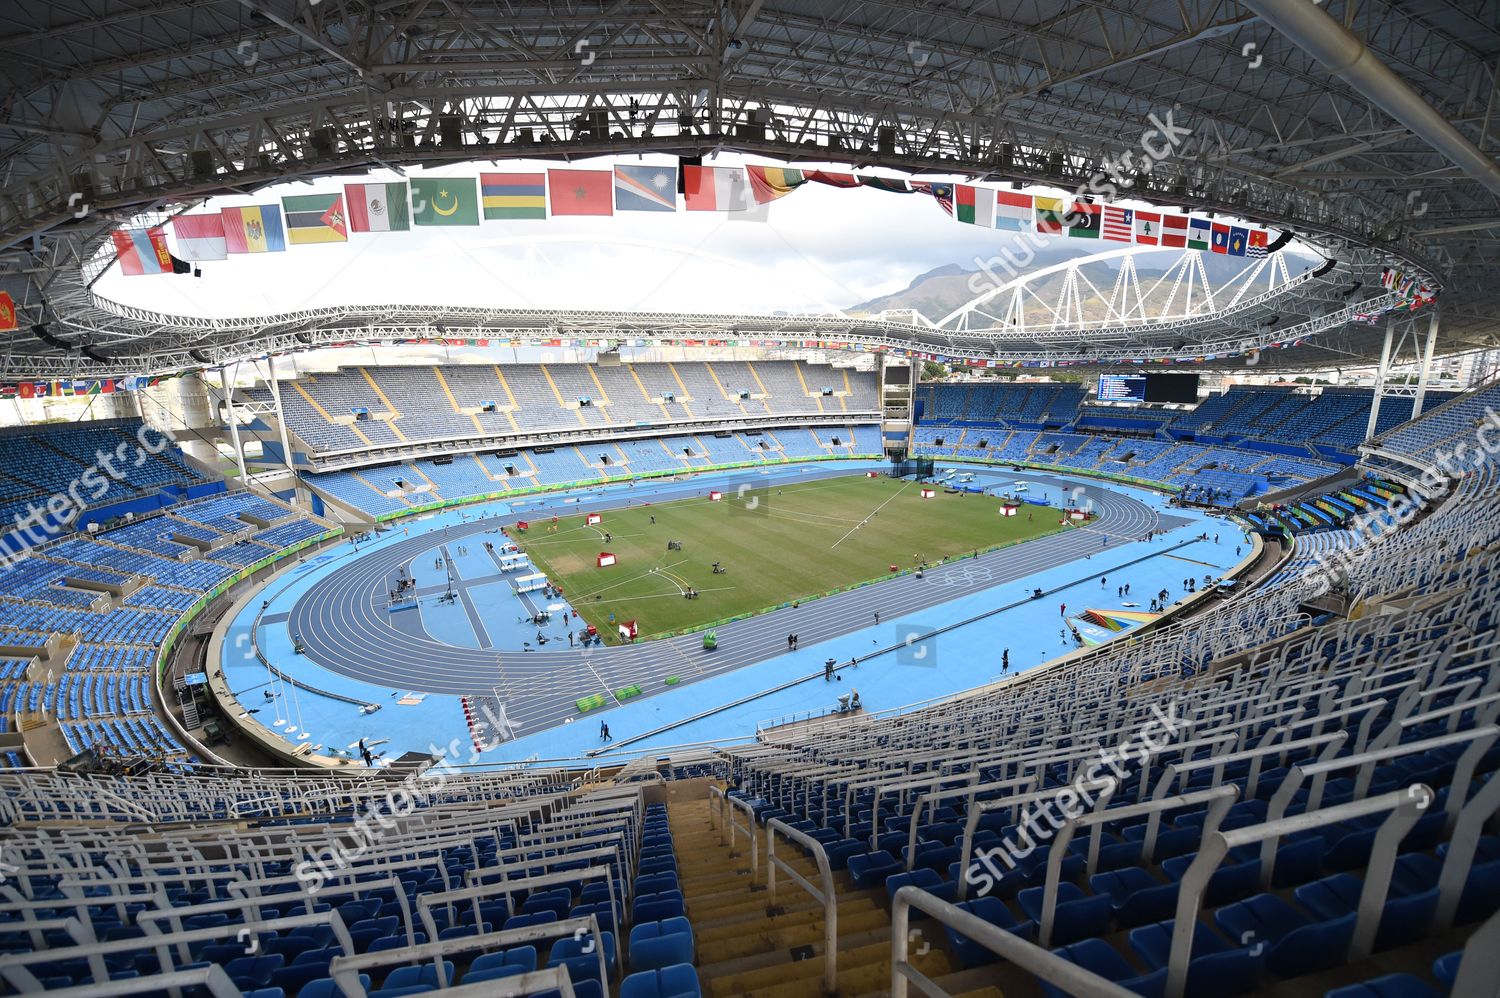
(74, 389)
(1411, 294)
(306, 219)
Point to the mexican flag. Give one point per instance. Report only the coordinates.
(444, 201)
(377, 207)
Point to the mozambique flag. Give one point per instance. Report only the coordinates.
(316, 218)
(444, 201)
(513, 195)
(767, 183)
(1049, 215)
(256, 229)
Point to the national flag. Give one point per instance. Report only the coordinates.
(142, 252)
(646, 188)
(941, 193)
(26, 389)
(1239, 238)
(1148, 228)
(1198, 233)
(445, 201)
(1013, 211)
(256, 229)
(200, 237)
(1220, 239)
(1083, 220)
(1049, 215)
(1119, 224)
(891, 185)
(1174, 230)
(513, 195)
(1257, 245)
(315, 218)
(975, 205)
(767, 183)
(377, 207)
(716, 188)
(581, 192)
(8, 318)
(1389, 277)
(831, 178)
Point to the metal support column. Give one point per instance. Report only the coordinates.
(1432, 331)
(1380, 372)
(286, 442)
(227, 386)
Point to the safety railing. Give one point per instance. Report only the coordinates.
(823, 894)
(345, 970)
(728, 804)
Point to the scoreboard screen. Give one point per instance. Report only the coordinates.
(1122, 388)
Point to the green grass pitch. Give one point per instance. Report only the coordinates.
(778, 545)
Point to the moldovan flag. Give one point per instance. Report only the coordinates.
(1198, 233)
(1148, 227)
(200, 237)
(767, 183)
(716, 188)
(315, 218)
(1174, 230)
(444, 201)
(142, 251)
(1012, 211)
(256, 229)
(646, 188)
(513, 195)
(1049, 215)
(377, 207)
(975, 205)
(581, 192)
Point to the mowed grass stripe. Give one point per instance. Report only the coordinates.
(779, 545)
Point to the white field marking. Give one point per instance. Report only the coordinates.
(676, 595)
(877, 509)
(634, 578)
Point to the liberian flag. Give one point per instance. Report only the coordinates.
(377, 207)
(1174, 230)
(200, 237)
(975, 205)
(142, 252)
(716, 188)
(1148, 227)
(1119, 224)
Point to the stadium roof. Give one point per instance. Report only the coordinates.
(118, 107)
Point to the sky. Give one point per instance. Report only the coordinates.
(819, 249)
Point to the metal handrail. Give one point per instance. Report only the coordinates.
(824, 896)
(729, 823)
(1053, 969)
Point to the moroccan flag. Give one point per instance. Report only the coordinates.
(1198, 233)
(1239, 237)
(767, 183)
(581, 192)
(1083, 220)
(142, 252)
(646, 188)
(831, 178)
(315, 218)
(444, 201)
(1013, 211)
(1174, 230)
(1049, 215)
(1219, 240)
(256, 229)
(975, 205)
(1118, 224)
(7, 311)
(200, 237)
(1148, 228)
(716, 188)
(377, 207)
(1257, 244)
(513, 195)
(891, 185)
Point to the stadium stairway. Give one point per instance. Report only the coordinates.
(744, 949)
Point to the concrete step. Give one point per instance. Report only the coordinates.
(863, 968)
(729, 919)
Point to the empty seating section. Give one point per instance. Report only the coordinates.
(127, 461)
(425, 403)
(1442, 431)
(375, 490)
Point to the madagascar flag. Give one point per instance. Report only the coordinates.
(316, 218)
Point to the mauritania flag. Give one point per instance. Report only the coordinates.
(646, 188)
(256, 229)
(513, 195)
(444, 201)
(975, 205)
(315, 218)
(1199, 233)
(377, 207)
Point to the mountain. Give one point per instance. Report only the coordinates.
(934, 294)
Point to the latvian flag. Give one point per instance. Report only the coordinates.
(377, 207)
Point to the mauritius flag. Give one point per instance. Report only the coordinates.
(444, 201)
(316, 218)
(513, 195)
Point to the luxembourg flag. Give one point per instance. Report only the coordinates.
(716, 188)
(142, 252)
